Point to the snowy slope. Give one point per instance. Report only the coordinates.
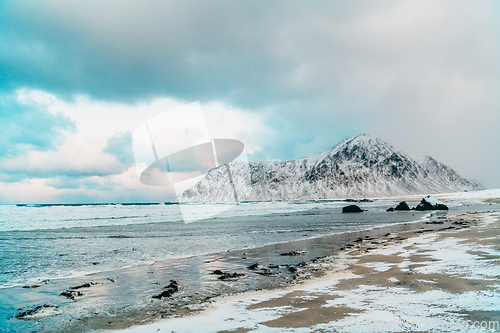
(356, 168)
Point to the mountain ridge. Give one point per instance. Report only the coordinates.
(357, 167)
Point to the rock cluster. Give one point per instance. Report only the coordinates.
(427, 203)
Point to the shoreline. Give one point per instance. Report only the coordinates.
(199, 287)
(350, 264)
(82, 274)
(311, 268)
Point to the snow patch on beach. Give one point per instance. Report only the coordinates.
(382, 309)
(484, 194)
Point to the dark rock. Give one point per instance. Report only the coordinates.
(390, 209)
(85, 285)
(293, 253)
(426, 204)
(172, 288)
(254, 267)
(365, 200)
(352, 209)
(350, 200)
(32, 286)
(71, 294)
(292, 269)
(34, 311)
(460, 223)
(217, 272)
(402, 206)
(230, 276)
(267, 272)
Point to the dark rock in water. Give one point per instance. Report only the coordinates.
(293, 253)
(32, 286)
(230, 276)
(71, 294)
(424, 205)
(267, 272)
(172, 288)
(352, 209)
(361, 200)
(292, 269)
(28, 313)
(85, 285)
(402, 206)
(390, 209)
(430, 203)
(441, 207)
(217, 272)
(254, 267)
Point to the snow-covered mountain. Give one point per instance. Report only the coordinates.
(359, 167)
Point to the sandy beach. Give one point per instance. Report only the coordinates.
(438, 268)
(441, 279)
(410, 281)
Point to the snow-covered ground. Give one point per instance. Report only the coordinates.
(384, 307)
(485, 194)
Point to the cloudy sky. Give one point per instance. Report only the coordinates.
(288, 78)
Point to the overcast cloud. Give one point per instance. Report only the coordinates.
(421, 75)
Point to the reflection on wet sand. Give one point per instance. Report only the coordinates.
(418, 280)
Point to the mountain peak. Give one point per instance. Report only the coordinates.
(361, 166)
(365, 138)
(363, 146)
(361, 139)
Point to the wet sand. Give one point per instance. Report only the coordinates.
(443, 274)
(129, 297)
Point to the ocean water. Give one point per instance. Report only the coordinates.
(52, 242)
